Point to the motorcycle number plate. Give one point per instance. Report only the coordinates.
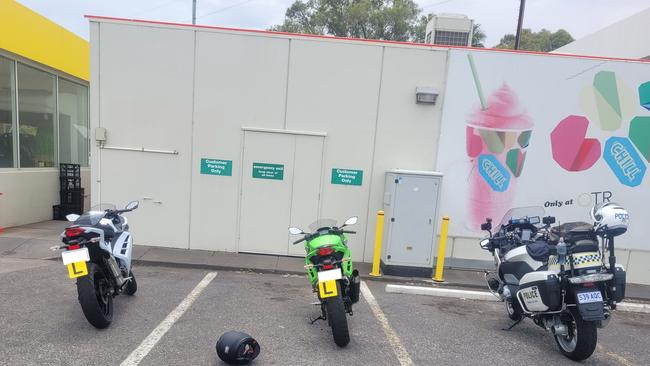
(333, 274)
(74, 256)
(589, 297)
(327, 289)
(77, 269)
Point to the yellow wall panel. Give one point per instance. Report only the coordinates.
(37, 38)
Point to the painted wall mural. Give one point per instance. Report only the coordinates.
(558, 132)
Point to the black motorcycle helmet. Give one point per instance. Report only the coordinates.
(237, 348)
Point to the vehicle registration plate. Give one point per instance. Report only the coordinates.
(76, 260)
(589, 297)
(333, 274)
(327, 289)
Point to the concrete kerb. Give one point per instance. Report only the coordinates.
(635, 307)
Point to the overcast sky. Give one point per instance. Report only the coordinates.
(497, 17)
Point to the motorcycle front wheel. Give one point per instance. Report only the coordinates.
(513, 310)
(95, 298)
(580, 342)
(337, 320)
(132, 286)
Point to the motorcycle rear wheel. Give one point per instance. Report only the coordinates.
(337, 319)
(95, 298)
(580, 343)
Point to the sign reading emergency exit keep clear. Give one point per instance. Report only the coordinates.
(268, 171)
(348, 177)
(216, 167)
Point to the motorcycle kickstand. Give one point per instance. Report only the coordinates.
(312, 321)
(514, 324)
(322, 315)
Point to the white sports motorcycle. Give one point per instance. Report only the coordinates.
(559, 277)
(97, 253)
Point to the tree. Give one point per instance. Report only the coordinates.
(478, 36)
(397, 20)
(542, 41)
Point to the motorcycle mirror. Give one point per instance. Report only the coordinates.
(484, 243)
(487, 226)
(548, 220)
(351, 221)
(72, 217)
(132, 205)
(295, 231)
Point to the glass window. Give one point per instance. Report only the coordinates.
(36, 108)
(7, 103)
(73, 123)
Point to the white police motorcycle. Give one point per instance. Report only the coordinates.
(97, 251)
(559, 277)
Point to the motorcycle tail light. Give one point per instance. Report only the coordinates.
(591, 278)
(71, 232)
(588, 284)
(73, 247)
(328, 266)
(325, 251)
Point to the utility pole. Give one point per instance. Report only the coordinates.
(520, 22)
(193, 11)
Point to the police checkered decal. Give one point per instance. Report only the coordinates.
(580, 260)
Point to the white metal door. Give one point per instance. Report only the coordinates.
(306, 186)
(413, 220)
(270, 203)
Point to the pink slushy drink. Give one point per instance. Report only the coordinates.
(497, 139)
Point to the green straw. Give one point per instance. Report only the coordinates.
(477, 82)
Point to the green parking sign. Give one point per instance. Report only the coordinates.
(347, 177)
(216, 167)
(268, 171)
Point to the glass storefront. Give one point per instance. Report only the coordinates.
(73, 123)
(49, 113)
(7, 122)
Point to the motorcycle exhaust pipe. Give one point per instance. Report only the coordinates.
(355, 286)
(603, 323)
(115, 270)
(560, 330)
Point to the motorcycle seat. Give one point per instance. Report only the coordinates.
(538, 250)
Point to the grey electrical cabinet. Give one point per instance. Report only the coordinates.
(411, 220)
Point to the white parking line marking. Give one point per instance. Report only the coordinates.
(148, 343)
(399, 349)
(440, 292)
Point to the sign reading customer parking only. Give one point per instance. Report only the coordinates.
(347, 177)
(216, 167)
(268, 171)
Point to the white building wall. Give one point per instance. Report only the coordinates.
(628, 38)
(241, 80)
(29, 194)
(340, 98)
(146, 89)
(193, 90)
(199, 91)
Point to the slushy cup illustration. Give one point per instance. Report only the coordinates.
(497, 137)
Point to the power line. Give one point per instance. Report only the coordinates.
(225, 8)
(435, 4)
(154, 8)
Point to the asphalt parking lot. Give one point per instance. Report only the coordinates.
(42, 324)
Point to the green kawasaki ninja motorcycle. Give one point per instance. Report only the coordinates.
(329, 267)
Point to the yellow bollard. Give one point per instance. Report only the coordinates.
(379, 232)
(440, 263)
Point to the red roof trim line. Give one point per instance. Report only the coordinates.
(360, 39)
